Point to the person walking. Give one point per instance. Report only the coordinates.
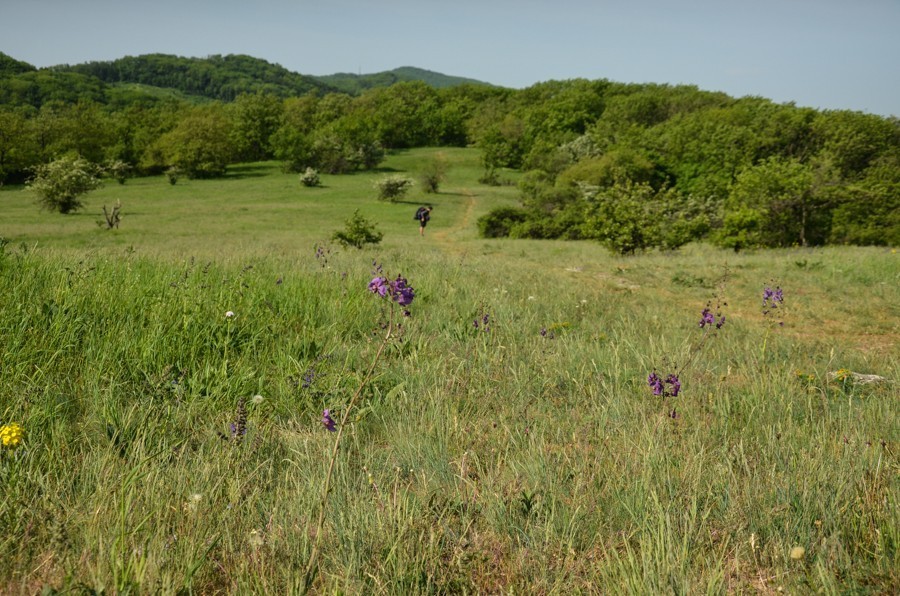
(423, 214)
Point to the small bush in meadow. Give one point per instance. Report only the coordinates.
(60, 184)
(393, 188)
(358, 232)
(433, 174)
(310, 177)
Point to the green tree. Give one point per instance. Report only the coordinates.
(60, 184)
(628, 217)
(16, 150)
(254, 120)
(199, 146)
(868, 211)
(793, 206)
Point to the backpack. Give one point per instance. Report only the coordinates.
(420, 212)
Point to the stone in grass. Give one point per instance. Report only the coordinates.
(844, 374)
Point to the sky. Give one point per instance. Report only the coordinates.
(824, 54)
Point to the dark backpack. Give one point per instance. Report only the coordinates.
(420, 212)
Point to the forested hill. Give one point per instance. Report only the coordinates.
(355, 84)
(153, 76)
(213, 77)
(11, 66)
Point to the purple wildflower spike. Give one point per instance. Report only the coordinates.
(655, 383)
(675, 383)
(328, 421)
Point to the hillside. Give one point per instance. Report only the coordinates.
(214, 77)
(152, 77)
(11, 66)
(357, 83)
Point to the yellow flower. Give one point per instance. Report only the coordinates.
(843, 374)
(11, 434)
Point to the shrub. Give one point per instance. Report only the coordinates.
(60, 183)
(490, 177)
(172, 175)
(357, 232)
(433, 174)
(118, 170)
(310, 177)
(392, 188)
(499, 222)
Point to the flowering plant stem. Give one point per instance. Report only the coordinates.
(345, 416)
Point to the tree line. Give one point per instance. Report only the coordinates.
(634, 166)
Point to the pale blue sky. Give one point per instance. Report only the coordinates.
(827, 54)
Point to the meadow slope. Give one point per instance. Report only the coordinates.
(507, 440)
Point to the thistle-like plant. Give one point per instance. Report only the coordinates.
(399, 295)
(712, 320)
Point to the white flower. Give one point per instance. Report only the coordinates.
(193, 501)
(229, 314)
(257, 399)
(532, 298)
(256, 538)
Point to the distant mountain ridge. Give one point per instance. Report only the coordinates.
(215, 77)
(357, 83)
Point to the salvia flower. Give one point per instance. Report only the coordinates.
(398, 289)
(378, 286)
(707, 318)
(328, 421)
(655, 383)
(772, 298)
(668, 388)
(401, 292)
(675, 383)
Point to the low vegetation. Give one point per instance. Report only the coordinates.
(213, 398)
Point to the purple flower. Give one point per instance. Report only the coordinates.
(398, 289)
(401, 293)
(655, 383)
(772, 298)
(708, 318)
(378, 286)
(675, 383)
(328, 421)
(670, 388)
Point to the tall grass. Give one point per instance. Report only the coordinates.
(476, 461)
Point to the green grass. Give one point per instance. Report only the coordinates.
(477, 462)
(255, 210)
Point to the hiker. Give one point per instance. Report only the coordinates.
(423, 214)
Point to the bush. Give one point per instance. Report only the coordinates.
(490, 177)
(499, 222)
(118, 170)
(310, 177)
(392, 188)
(433, 174)
(358, 232)
(60, 183)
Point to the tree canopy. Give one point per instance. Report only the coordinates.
(755, 172)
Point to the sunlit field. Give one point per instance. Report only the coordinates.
(163, 388)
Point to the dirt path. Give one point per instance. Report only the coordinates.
(442, 236)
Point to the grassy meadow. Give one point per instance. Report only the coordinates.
(170, 379)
